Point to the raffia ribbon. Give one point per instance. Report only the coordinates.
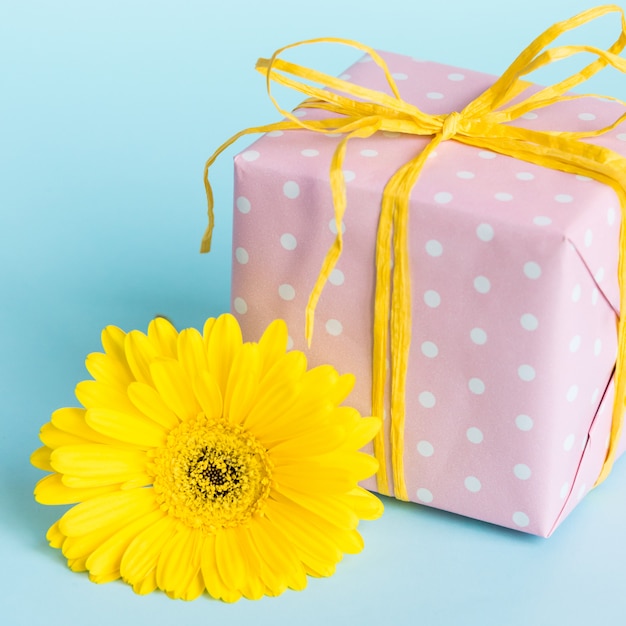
(482, 123)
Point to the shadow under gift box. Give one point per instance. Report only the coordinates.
(513, 285)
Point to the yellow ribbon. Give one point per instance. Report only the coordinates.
(361, 112)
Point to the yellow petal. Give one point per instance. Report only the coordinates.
(360, 464)
(192, 353)
(138, 564)
(229, 559)
(72, 420)
(140, 352)
(175, 388)
(93, 394)
(278, 391)
(109, 370)
(99, 464)
(145, 585)
(102, 578)
(77, 565)
(312, 476)
(253, 587)
(315, 441)
(105, 559)
(54, 535)
(112, 339)
(211, 575)
(40, 458)
(325, 378)
(363, 432)
(163, 336)
(281, 566)
(273, 344)
(223, 342)
(79, 547)
(208, 565)
(316, 549)
(51, 490)
(319, 530)
(195, 588)
(333, 508)
(151, 404)
(208, 395)
(243, 383)
(104, 511)
(206, 330)
(129, 428)
(179, 562)
(365, 504)
(53, 438)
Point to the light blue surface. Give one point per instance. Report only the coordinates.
(107, 113)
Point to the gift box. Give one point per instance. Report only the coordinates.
(513, 289)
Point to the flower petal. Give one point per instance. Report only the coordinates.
(72, 420)
(40, 458)
(52, 437)
(253, 587)
(208, 395)
(243, 383)
(140, 352)
(229, 559)
(93, 394)
(51, 490)
(312, 476)
(151, 404)
(138, 564)
(129, 428)
(163, 336)
(195, 588)
(278, 391)
(280, 564)
(210, 572)
(359, 464)
(179, 562)
(332, 508)
(145, 585)
(325, 438)
(102, 512)
(109, 370)
(316, 550)
(112, 339)
(273, 344)
(95, 465)
(175, 388)
(223, 342)
(365, 504)
(192, 353)
(54, 536)
(106, 558)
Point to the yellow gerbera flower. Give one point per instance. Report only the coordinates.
(203, 462)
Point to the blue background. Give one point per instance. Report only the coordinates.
(107, 113)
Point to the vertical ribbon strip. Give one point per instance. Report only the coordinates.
(483, 123)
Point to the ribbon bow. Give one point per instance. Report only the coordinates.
(361, 112)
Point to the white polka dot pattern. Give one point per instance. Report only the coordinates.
(513, 296)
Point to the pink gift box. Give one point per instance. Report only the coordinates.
(514, 291)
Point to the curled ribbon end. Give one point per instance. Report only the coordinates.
(205, 245)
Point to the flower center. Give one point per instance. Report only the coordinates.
(211, 475)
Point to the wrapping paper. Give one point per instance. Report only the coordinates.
(514, 294)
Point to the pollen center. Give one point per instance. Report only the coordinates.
(211, 475)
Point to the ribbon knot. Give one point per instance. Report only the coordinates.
(450, 125)
(359, 112)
